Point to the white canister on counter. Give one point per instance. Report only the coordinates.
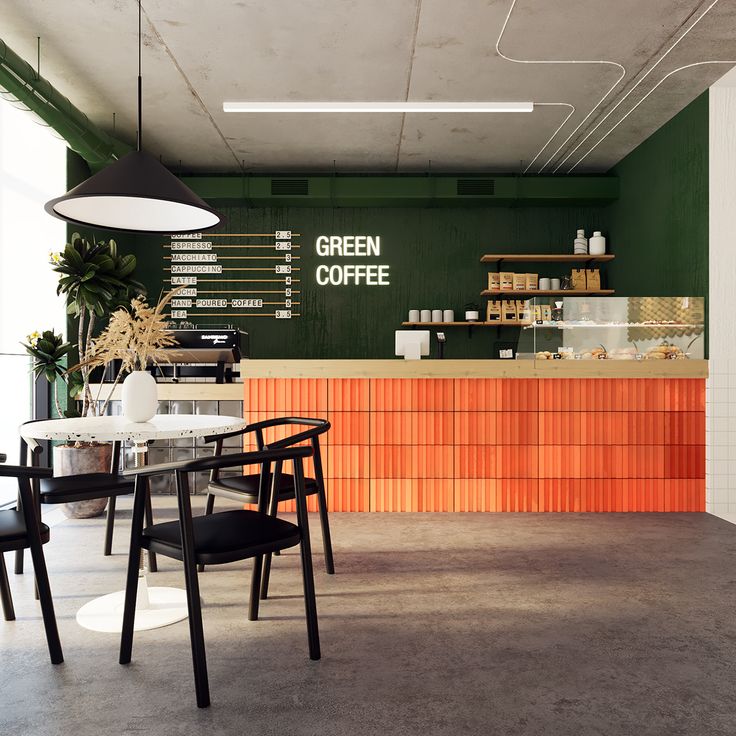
(555, 284)
(436, 315)
(448, 315)
(580, 244)
(413, 315)
(597, 244)
(426, 315)
(545, 284)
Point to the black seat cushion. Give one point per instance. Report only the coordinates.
(13, 531)
(248, 486)
(225, 536)
(67, 488)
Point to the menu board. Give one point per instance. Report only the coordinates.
(234, 275)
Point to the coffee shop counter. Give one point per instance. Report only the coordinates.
(492, 435)
(496, 435)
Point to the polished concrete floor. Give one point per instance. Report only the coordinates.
(569, 625)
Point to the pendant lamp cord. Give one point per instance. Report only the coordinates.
(139, 141)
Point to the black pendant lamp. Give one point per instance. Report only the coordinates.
(136, 193)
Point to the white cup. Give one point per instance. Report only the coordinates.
(544, 284)
(426, 315)
(436, 315)
(448, 315)
(555, 284)
(413, 315)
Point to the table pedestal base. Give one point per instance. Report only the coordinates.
(155, 607)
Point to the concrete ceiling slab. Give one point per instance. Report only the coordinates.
(199, 54)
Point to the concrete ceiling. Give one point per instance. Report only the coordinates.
(636, 64)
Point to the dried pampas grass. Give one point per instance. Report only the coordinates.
(136, 336)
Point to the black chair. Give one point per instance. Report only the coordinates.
(84, 487)
(245, 488)
(226, 536)
(21, 529)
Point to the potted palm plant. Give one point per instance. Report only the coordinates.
(95, 280)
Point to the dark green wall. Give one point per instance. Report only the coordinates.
(434, 255)
(658, 227)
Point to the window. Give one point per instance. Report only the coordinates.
(32, 171)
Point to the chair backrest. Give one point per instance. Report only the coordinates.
(24, 475)
(317, 427)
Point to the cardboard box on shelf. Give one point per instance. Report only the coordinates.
(509, 315)
(577, 279)
(494, 281)
(537, 312)
(532, 281)
(546, 313)
(593, 279)
(507, 280)
(519, 282)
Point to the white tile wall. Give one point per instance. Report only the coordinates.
(720, 452)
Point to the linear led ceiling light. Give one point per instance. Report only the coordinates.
(369, 107)
(136, 193)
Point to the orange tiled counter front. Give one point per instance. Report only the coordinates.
(502, 444)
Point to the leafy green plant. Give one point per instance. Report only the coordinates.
(95, 280)
(49, 351)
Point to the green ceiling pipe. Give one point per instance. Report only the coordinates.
(19, 80)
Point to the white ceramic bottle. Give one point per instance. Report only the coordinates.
(597, 244)
(580, 245)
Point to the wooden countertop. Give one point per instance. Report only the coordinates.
(399, 368)
(423, 369)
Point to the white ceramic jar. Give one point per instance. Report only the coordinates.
(597, 244)
(140, 396)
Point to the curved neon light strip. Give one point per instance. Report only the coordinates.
(549, 61)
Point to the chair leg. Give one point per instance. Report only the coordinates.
(7, 598)
(208, 509)
(152, 562)
(109, 524)
(194, 603)
(134, 559)
(273, 507)
(19, 555)
(255, 585)
(326, 536)
(305, 548)
(196, 633)
(47, 604)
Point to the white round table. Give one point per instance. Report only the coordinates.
(156, 606)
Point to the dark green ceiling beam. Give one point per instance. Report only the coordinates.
(20, 83)
(405, 191)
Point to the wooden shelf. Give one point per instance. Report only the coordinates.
(450, 324)
(550, 292)
(544, 258)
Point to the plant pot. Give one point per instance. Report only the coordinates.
(70, 460)
(140, 397)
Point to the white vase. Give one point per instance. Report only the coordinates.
(140, 397)
(597, 244)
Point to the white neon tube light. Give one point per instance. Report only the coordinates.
(371, 107)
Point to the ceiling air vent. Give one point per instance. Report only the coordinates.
(289, 187)
(475, 187)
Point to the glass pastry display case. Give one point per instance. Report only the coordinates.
(612, 328)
